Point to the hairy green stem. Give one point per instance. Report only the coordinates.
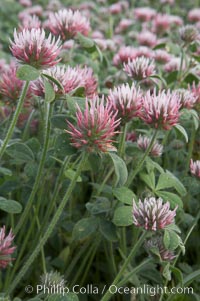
(121, 148)
(47, 128)
(55, 194)
(89, 263)
(141, 162)
(42, 249)
(138, 244)
(190, 149)
(187, 236)
(27, 126)
(181, 65)
(76, 257)
(134, 271)
(50, 229)
(15, 118)
(105, 181)
(10, 274)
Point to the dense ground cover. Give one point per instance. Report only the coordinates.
(99, 150)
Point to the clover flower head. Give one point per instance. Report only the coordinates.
(195, 168)
(161, 110)
(131, 136)
(189, 33)
(161, 56)
(195, 89)
(194, 15)
(173, 65)
(156, 242)
(95, 126)
(144, 14)
(69, 77)
(67, 23)
(127, 101)
(147, 38)
(11, 86)
(52, 278)
(30, 22)
(31, 47)
(5, 247)
(152, 214)
(90, 81)
(143, 143)
(161, 23)
(140, 68)
(124, 54)
(187, 98)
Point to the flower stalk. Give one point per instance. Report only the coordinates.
(15, 118)
(47, 128)
(141, 162)
(133, 252)
(51, 227)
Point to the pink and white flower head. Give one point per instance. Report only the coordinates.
(189, 33)
(167, 2)
(147, 38)
(173, 65)
(187, 98)
(131, 136)
(95, 127)
(33, 10)
(106, 44)
(127, 101)
(196, 91)
(144, 14)
(175, 20)
(68, 45)
(90, 82)
(33, 48)
(97, 35)
(86, 6)
(161, 23)
(11, 86)
(161, 56)
(152, 214)
(144, 51)
(124, 4)
(5, 248)
(54, 5)
(118, 40)
(66, 24)
(194, 15)
(198, 25)
(124, 54)
(143, 143)
(123, 25)
(156, 242)
(3, 65)
(26, 3)
(140, 68)
(70, 78)
(161, 110)
(115, 8)
(102, 43)
(30, 22)
(195, 168)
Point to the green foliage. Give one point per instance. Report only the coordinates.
(123, 216)
(10, 206)
(120, 169)
(27, 73)
(94, 235)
